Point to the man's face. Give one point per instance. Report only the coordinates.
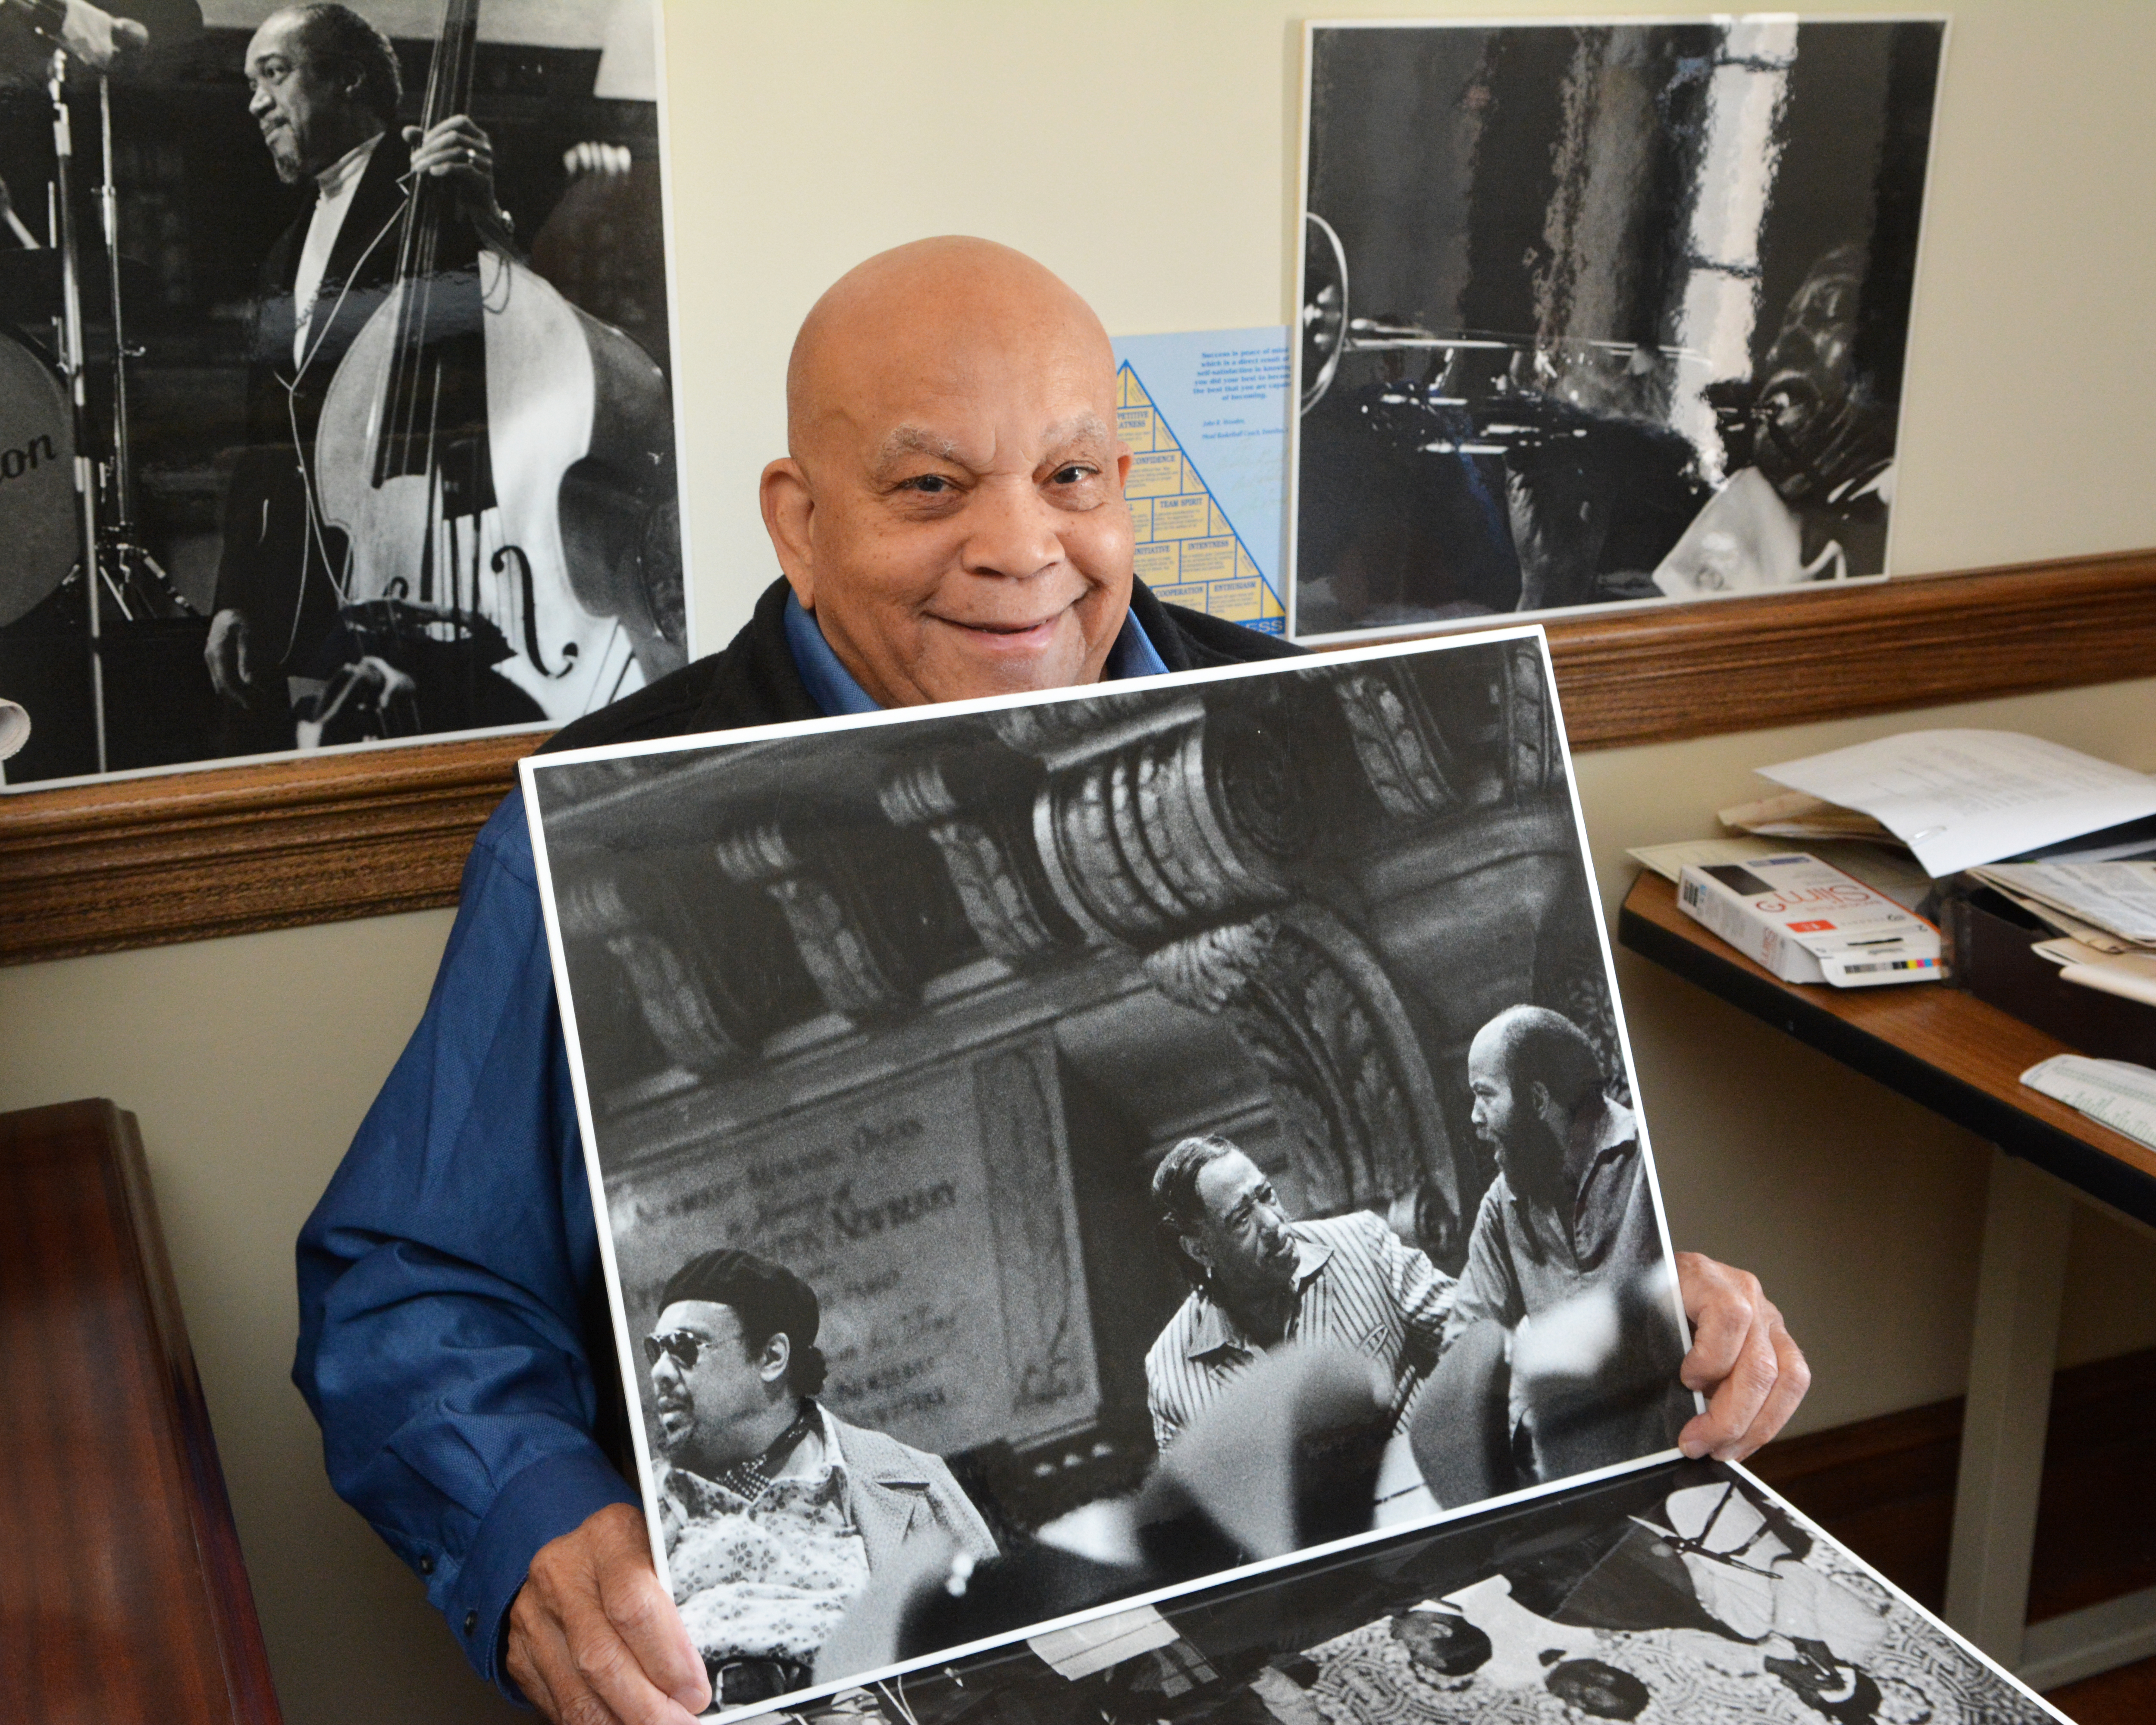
(703, 1408)
(1820, 425)
(1442, 1641)
(955, 519)
(1506, 1118)
(308, 116)
(1599, 1689)
(1243, 1236)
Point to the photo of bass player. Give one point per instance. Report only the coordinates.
(318, 634)
(394, 454)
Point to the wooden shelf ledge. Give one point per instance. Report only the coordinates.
(230, 850)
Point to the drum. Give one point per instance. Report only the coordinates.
(37, 519)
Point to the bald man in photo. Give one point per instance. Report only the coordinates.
(950, 523)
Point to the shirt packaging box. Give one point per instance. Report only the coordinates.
(1810, 923)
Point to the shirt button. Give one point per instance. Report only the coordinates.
(426, 1566)
(471, 1621)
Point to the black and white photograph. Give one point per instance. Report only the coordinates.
(335, 374)
(1679, 1592)
(1594, 314)
(1092, 1143)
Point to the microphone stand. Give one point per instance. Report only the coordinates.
(114, 561)
(74, 367)
(127, 558)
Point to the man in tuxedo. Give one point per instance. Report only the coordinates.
(325, 89)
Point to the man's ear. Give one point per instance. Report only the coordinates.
(774, 1356)
(1196, 1247)
(789, 511)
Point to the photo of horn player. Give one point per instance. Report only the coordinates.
(393, 452)
(1599, 314)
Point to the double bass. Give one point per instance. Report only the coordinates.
(491, 460)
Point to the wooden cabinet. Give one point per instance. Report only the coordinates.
(123, 1596)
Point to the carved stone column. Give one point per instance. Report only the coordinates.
(1152, 833)
(682, 1001)
(854, 970)
(992, 863)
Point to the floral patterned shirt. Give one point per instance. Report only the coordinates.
(766, 1577)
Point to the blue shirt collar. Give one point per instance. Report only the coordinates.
(832, 686)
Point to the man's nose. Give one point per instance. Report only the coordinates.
(258, 105)
(1012, 530)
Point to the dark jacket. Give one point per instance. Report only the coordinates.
(272, 570)
(752, 680)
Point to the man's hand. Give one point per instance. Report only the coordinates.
(1742, 1358)
(225, 652)
(593, 1640)
(459, 153)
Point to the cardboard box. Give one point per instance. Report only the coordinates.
(1810, 923)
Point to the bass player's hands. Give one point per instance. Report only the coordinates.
(593, 1638)
(225, 653)
(459, 153)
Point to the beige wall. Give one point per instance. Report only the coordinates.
(1146, 151)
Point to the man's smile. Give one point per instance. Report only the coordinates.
(1038, 631)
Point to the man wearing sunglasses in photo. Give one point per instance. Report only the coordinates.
(776, 1512)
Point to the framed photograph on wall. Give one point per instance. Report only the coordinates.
(336, 345)
(1594, 314)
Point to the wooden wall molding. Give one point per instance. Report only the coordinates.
(231, 850)
(1825, 653)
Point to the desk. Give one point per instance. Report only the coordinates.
(1963, 1059)
(126, 1597)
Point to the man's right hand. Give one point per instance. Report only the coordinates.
(225, 652)
(593, 1638)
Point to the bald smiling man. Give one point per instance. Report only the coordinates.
(949, 519)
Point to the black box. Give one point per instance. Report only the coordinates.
(1991, 937)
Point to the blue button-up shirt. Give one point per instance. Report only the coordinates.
(449, 1272)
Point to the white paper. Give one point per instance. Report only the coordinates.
(2109, 978)
(1668, 860)
(2119, 1094)
(1962, 798)
(2120, 896)
(2073, 928)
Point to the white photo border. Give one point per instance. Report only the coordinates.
(529, 772)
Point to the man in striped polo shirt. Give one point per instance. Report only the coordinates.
(1259, 1280)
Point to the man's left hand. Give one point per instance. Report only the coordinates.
(1742, 1359)
(460, 154)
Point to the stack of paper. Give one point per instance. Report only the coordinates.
(1958, 799)
(2130, 975)
(1795, 815)
(2105, 914)
(2119, 1094)
(2118, 898)
(1969, 800)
